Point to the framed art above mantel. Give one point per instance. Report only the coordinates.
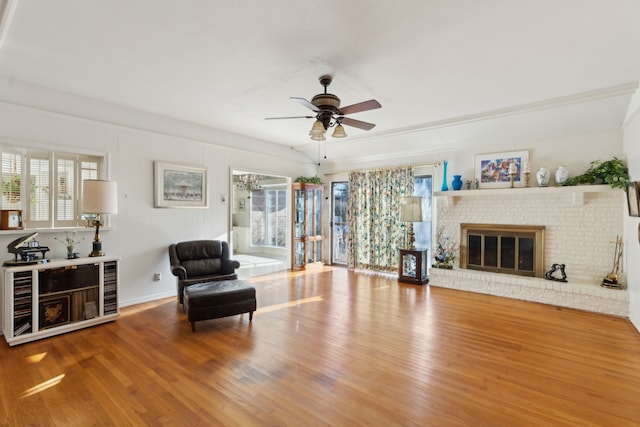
(179, 186)
(492, 170)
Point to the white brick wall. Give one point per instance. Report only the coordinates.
(580, 232)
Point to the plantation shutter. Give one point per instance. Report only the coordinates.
(11, 181)
(40, 198)
(65, 192)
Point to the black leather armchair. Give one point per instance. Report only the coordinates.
(199, 261)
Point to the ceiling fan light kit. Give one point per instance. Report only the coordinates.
(328, 113)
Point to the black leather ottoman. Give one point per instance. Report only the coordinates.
(211, 300)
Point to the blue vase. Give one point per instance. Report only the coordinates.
(445, 187)
(456, 184)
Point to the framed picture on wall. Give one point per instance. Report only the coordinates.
(179, 186)
(492, 170)
(633, 198)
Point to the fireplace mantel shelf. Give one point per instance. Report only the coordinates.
(576, 192)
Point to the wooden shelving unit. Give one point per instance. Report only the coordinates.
(43, 300)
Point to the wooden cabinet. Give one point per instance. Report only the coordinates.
(413, 266)
(307, 225)
(42, 300)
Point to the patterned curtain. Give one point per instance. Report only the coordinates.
(375, 230)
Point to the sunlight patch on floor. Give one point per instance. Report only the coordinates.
(35, 358)
(294, 303)
(42, 386)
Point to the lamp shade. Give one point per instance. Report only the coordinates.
(318, 127)
(99, 197)
(317, 136)
(411, 209)
(339, 132)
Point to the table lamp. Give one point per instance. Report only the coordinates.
(411, 211)
(99, 197)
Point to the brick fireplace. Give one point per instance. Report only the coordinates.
(580, 228)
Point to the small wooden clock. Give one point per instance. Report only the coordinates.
(10, 219)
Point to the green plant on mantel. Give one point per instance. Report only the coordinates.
(309, 179)
(612, 172)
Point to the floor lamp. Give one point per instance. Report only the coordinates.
(99, 198)
(411, 211)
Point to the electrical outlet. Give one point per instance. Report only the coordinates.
(157, 277)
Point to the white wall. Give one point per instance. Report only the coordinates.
(573, 151)
(140, 233)
(631, 224)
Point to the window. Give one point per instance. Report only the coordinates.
(269, 217)
(423, 187)
(46, 185)
(11, 181)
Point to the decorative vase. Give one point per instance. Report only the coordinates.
(562, 175)
(445, 187)
(456, 184)
(542, 177)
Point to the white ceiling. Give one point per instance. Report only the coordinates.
(448, 73)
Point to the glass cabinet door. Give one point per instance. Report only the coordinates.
(299, 253)
(318, 213)
(409, 265)
(298, 213)
(307, 225)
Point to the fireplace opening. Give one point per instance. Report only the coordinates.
(510, 249)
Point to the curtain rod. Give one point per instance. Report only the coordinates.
(435, 164)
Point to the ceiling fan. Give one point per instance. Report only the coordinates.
(328, 113)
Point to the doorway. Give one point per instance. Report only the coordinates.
(423, 187)
(260, 217)
(339, 226)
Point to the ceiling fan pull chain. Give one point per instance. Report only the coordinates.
(325, 148)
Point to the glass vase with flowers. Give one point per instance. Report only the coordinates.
(70, 242)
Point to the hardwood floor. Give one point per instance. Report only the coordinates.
(334, 348)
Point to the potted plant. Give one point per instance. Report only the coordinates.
(612, 172)
(309, 179)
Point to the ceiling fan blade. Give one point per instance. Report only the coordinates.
(305, 103)
(291, 117)
(357, 123)
(371, 104)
